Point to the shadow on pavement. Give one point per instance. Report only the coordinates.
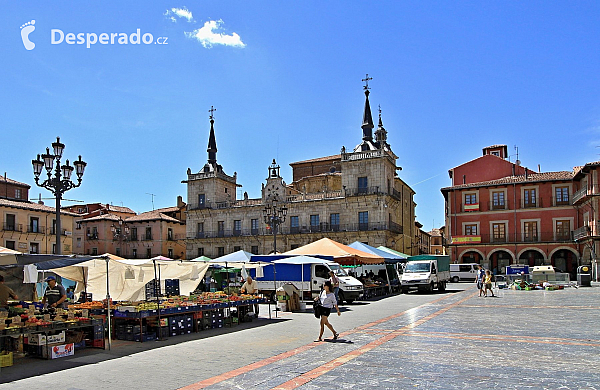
(31, 366)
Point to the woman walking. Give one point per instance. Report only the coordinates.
(328, 302)
(487, 283)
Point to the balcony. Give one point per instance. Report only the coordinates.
(592, 230)
(321, 228)
(498, 206)
(521, 238)
(35, 229)
(133, 237)
(12, 227)
(583, 194)
(92, 236)
(147, 237)
(362, 191)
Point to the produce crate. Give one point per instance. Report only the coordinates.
(8, 331)
(197, 315)
(94, 343)
(126, 314)
(79, 345)
(144, 337)
(6, 359)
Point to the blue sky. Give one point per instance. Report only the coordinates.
(285, 78)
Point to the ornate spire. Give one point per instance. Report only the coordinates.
(381, 132)
(367, 124)
(212, 142)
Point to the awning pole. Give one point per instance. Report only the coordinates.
(108, 305)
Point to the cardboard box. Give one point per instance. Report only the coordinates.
(40, 339)
(58, 351)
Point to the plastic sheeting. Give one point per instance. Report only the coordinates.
(128, 278)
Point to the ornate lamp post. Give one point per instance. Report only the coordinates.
(61, 181)
(119, 233)
(274, 216)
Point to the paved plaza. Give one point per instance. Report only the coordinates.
(455, 340)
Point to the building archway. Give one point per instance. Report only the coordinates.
(500, 258)
(532, 257)
(565, 259)
(471, 256)
(587, 256)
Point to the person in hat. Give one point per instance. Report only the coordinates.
(55, 294)
(5, 293)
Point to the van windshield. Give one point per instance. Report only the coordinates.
(339, 271)
(416, 267)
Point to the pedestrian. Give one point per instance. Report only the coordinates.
(335, 282)
(5, 293)
(251, 288)
(328, 302)
(487, 283)
(479, 279)
(55, 294)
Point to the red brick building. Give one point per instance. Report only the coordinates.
(500, 213)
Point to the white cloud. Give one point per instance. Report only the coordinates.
(179, 12)
(208, 35)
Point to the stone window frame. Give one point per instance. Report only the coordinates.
(557, 219)
(506, 231)
(464, 228)
(538, 227)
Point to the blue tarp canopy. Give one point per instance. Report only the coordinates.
(389, 257)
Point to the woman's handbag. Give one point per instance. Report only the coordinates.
(317, 308)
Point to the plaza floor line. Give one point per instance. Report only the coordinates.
(508, 339)
(245, 369)
(317, 372)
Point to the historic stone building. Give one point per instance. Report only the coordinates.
(356, 195)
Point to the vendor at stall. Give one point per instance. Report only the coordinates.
(55, 294)
(250, 287)
(5, 293)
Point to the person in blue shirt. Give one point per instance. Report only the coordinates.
(479, 279)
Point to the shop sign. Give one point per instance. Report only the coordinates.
(466, 239)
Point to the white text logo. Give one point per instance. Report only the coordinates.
(57, 37)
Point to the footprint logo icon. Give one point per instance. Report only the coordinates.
(27, 29)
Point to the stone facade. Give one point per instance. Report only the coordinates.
(354, 196)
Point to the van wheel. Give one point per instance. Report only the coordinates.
(349, 301)
(404, 290)
(442, 286)
(341, 297)
(273, 297)
(431, 287)
(455, 279)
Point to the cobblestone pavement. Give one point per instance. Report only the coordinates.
(521, 339)
(525, 340)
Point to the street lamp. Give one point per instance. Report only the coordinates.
(119, 234)
(274, 216)
(61, 181)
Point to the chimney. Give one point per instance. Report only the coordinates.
(513, 169)
(40, 201)
(464, 179)
(526, 175)
(539, 168)
(179, 201)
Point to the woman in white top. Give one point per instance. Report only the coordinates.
(328, 301)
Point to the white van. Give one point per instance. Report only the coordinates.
(463, 272)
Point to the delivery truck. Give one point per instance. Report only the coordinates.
(308, 278)
(426, 273)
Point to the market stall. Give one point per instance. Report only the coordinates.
(374, 286)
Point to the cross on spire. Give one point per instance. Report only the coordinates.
(379, 106)
(212, 109)
(366, 80)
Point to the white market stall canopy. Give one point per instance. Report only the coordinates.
(128, 278)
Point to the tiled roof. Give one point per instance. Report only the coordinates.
(435, 233)
(152, 216)
(531, 178)
(33, 206)
(495, 146)
(14, 182)
(120, 209)
(335, 157)
(168, 209)
(103, 217)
